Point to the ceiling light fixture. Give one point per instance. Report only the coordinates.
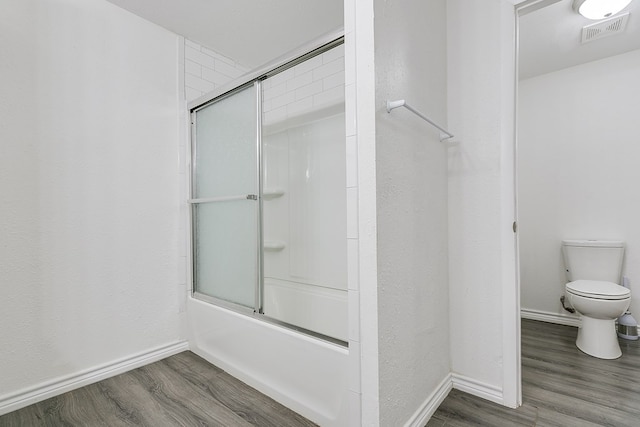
(599, 9)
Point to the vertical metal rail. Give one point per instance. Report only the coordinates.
(260, 288)
(192, 207)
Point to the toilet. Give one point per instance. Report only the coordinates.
(593, 269)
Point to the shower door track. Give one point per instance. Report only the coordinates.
(266, 319)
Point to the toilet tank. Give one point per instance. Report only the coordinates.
(593, 259)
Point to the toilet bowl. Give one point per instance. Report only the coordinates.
(593, 270)
(600, 303)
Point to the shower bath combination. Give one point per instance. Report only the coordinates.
(269, 231)
(268, 197)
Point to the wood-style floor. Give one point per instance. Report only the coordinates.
(561, 386)
(182, 390)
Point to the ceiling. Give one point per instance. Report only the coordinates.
(251, 32)
(550, 39)
(254, 32)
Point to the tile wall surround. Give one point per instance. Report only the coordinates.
(353, 242)
(206, 70)
(314, 84)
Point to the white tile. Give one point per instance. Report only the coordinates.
(227, 69)
(182, 298)
(352, 161)
(191, 93)
(354, 366)
(353, 265)
(191, 44)
(192, 67)
(192, 53)
(180, 46)
(182, 162)
(354, 315)
(184, 239)
(333, 80)
(333, 54)
(282, 77)
(215, 77)
(307, 65)
(218, 56)
(350, 110)
(299, 107)
(276, 115)
(349, 15)
(183, 209)
(198, 83)
(349, 59)
(274, 91)
(352, 213)
(182, 270)
(285, 99)
(184, 247)
(266, 105)
(199, 57)
(181, 74)
(329, 97)
(328, 69)
(299, 81)
(309, 90)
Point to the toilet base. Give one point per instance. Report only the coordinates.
(598, 338)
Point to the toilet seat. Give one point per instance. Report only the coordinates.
(597, 289)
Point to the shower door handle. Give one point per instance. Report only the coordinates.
(223, 199)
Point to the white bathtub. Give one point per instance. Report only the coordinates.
(306, 374)
(318, 309)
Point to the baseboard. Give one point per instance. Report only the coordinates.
(431, 404)
(45, 390)
(544, 316)
(477, 388)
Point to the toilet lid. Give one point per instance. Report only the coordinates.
(598, 289)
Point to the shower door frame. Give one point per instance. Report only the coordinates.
(258, 299)
(255, 78)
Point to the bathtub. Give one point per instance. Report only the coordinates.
(306, 374)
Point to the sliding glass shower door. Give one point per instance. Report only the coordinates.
(268, 196)
(225, 205)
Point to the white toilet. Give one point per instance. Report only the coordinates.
(593, 270)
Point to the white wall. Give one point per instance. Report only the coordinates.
(578, 167)
(484, 319)
(411, 170)
(89, 230)
(481, 290)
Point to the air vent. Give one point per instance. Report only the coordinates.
(605, 28)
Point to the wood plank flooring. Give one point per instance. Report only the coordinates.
(561, 386)
(182, 390)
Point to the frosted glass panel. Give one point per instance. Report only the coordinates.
(225, 250)
(226, 155)
(226, 232)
